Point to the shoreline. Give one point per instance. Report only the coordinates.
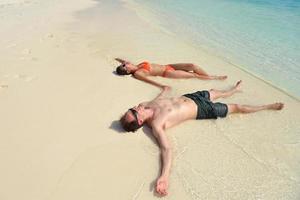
(153, 21)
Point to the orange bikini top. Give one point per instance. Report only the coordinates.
(145, 65)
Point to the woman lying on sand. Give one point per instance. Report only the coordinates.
(179, 70)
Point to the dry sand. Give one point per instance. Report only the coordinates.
(60, 103)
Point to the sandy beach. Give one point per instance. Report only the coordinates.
(60, 103)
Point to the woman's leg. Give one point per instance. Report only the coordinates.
(179, 74)
(185, 74)
(190, 67)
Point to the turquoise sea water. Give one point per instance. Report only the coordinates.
(261, 36)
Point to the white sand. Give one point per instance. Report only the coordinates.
(60, 102)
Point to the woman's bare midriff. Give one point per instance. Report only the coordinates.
(157, 70)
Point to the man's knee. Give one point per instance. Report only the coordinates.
(235, 108)
(213, 93)
(241, 109)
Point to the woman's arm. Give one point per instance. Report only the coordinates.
(121, 60)
(143, 77)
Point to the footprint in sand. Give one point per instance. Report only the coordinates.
(3, 86)
(49, 35)
(24, 77)
(11, 45)
(26, 51)
(45, 37)
(25, 54)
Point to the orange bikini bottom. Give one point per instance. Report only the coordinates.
(168, 68)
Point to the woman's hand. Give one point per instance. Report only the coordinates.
(166, 88)
(122, 61)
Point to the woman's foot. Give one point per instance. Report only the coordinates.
(220, 77)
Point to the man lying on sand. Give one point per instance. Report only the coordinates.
(162, 113)
(179, 70)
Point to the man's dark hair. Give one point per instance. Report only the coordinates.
(130, 126)
(122, 71)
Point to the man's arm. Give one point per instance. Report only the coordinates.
(162, 182)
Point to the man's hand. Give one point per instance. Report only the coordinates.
(162, 185)
(166, 88)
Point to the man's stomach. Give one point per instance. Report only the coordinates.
(185, 110)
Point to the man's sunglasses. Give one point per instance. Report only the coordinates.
(135, 113)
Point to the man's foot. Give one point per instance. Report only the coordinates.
(276, 106)
(238, 85)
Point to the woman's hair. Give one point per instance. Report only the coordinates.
(121, 70)
(130, 126)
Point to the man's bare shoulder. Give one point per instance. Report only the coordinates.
(156, 127)
(155, 123)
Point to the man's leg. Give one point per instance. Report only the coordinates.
(215, 94)
(236, 108)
